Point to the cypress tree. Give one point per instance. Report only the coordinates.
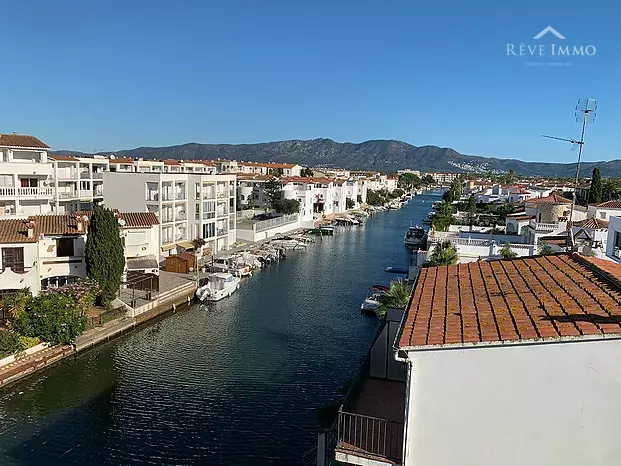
(105, 258)
(596, 190)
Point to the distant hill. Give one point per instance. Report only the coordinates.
(381, 155)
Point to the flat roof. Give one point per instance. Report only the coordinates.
(522, 300)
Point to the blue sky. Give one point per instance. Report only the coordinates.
(116, 75)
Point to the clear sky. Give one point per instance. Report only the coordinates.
(116, 75)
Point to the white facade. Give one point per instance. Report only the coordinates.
(514, 405)
(187, 205)
(78, 182)
(613, 246)
(25, 181)
(604, 213)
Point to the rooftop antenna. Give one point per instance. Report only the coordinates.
(585, 114)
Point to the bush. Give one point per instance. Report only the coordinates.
(28, 342)
(349, 203)
(9, 343)
(286, 206)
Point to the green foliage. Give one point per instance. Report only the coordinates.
(376, 197)
(428, 180)
(545, 249)
(359, 199)
(443, 254)
(58, 315)
(472, 204)
(398, 192)
(349, 203)
(16, 303)
(277, 172)
(409, 181)
(443, 217)
(105, 258)
(306, 172)
(397, 297)
(9, 343)
(286, 206)
(28, 342)
(507, 252)
(273, 192)
(611, 189)
(595, 195)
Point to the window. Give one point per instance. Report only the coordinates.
(14, 258)
(618, 239)
(197, 212)
(242, 197)
(64, 247)
(209, 230)
(602, 215)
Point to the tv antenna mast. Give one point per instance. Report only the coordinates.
(585, 114)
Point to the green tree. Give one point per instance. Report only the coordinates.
(349, 203)
(507, 252)
(472, 204)
(9, 343)
(444, 253)
(273, 192)
(104, 254)
(397, 297)
(306, 172)
(611, 189)
(251, 203)
(428, 180)
(545, 249)
(443, 217)
(277, 172)
(408, 181)
(287, 206)
(596, 190)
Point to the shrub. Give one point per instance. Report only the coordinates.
(9, 343)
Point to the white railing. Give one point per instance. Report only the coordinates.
(97, 175)
(67, 195)
(26, 192)
(221, 194)
(8, 192)
(537, 226)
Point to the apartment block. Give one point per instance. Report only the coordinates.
(187, 206)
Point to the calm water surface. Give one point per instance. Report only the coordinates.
(235, 383)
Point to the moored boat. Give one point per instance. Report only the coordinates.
(415, 237)
(219, 285)
(372, 301)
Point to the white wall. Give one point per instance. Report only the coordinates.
(614, 227)
(552, 404)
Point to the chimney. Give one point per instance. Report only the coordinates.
(30, 227)
(15, 133)
(79, 224)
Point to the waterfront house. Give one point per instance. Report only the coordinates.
(25, 176)
(264, 168)
(508, 362)
(251, 190)
(590, 236)
(551, 214)
(48, 250)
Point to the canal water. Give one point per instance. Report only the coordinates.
(231, 383)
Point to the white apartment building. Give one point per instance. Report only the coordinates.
(25, 176)
(605, 210)
(262, 168)
(187, 205)
(443, 178)
(78, 182)
(251, 190)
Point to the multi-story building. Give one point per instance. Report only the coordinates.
(261, 168)
(251, 190)
(78, 182)
(442, 177)
(25, 176)
(187, 205)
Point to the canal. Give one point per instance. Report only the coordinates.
(235, 383)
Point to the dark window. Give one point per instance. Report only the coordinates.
(14, 258)
(64, 247)
(618, 239)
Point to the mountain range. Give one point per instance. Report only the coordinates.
(381, 155)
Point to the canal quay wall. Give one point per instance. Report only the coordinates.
(31, 362)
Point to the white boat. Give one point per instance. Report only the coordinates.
(219, 285)
(372, 301)
(415, 237)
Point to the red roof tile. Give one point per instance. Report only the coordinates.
(551, 199)
(591, 223)
(138, 219)
(122, 160)
(63, 158)
(610, 205)
(524, 299)
(21, 140)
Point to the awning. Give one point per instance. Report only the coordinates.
(186, 244)
(142, 263)
(168, 247)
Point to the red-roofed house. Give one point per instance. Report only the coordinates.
(605, 210)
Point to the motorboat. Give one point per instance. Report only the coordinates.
(399, 270)
(372, 301)
(415, 237)
(219, 285)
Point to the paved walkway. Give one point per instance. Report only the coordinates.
(107, 331)
(32, 362)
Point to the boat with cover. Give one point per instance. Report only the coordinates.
(372, 301)
(219, 285)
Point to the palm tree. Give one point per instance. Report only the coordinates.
(397, 297)
(443, 254)
(16, 303)
(507, 252)
(545, 249)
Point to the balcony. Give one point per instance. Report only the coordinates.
(85, 194)
(544, 227)
(67, 175)
(32, 193)
(221, 194)
(67, 195)
(181, 216)
(85, 175)
(98, 175)
(180, 197)
(221, 231)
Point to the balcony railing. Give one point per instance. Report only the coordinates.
(85, 175)
(548, 227)
(181, 216)
(13, 192)
(180, 197)
(221, 231)
(221, 194)
(67, 195)
(371, 434)
(97, 175)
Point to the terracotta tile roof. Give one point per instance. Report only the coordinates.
(520, 217)
(63, 158)
(253, 176)
(21, 140)
(532, 299)
(557, 240)
(610, 205)
(267, 165)
(306, 180)
(171, 162)
(122, 160)
(551, 199)
(610, 269)
(16, 230)
(591, 223)
(138, 219)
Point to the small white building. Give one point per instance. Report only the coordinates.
(265, 168)
(510, 362)
(605, 210)
(25, 176)
(251, 190)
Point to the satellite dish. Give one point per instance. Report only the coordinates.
(112, 156)
(85, 218)
(121, 222)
